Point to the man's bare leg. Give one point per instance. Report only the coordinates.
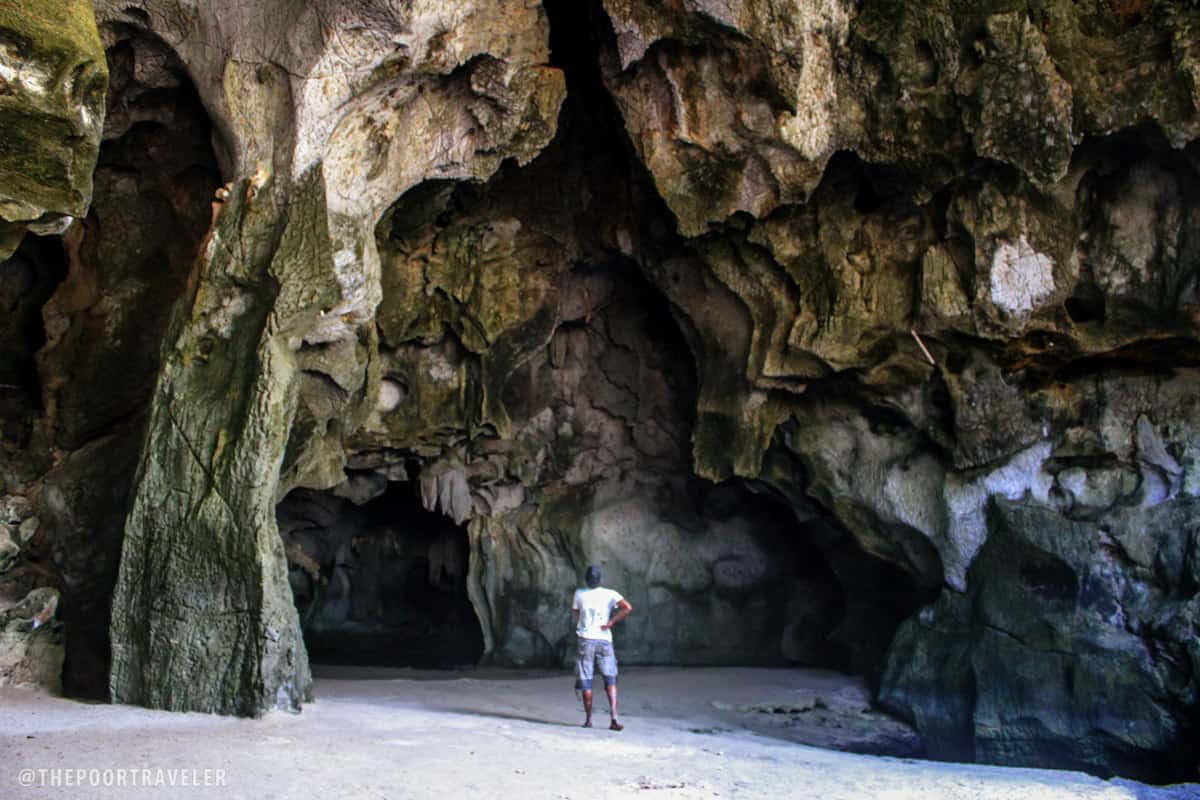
(612, 704)
(587, 707)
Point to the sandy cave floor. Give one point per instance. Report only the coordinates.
(388, 733)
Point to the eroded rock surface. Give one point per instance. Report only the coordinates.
(1084, 583)
(287, 263)
(52, 82)
(856, 333)
(31, 642)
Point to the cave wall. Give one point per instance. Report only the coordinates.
(203, 583)
(609, 279)
(590, 460)
(88, 314)
(981, 306)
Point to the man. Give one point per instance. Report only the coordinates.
(593, 611)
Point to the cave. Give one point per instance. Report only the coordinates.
(381, 582)
(855, 341)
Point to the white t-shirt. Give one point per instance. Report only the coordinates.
(595, 607)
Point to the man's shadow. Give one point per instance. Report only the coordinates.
(475, 712)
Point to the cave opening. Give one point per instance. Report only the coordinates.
(835, 605)
(379, 581)
(799, 602)
(684, 287)
(602, 412)
(785, 582)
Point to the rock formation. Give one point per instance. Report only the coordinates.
(853, 333)
(52, 82)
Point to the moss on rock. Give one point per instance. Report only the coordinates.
(52, 86)
(202, 618)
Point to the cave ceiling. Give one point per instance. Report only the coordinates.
(855, 333)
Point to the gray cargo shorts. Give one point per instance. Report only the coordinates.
(588, 652)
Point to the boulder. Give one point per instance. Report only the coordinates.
(31, 642)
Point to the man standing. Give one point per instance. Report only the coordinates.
(593, 611)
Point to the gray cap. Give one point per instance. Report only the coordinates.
(593, 576)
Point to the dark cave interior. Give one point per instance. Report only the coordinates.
(383, 583)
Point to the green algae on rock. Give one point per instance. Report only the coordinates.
(52, 82)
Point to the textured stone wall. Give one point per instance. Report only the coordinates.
(311, 112)
(906, 292)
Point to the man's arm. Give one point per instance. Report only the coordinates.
(624, 609)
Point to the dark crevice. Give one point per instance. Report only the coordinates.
(591, 120)
(381, 583)
(27, 280)
(1086, 304)
(1150, 357)
(869, 619)
(874, 187)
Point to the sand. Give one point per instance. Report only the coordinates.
(381, 733)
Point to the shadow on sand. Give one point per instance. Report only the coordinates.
(475, 712)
